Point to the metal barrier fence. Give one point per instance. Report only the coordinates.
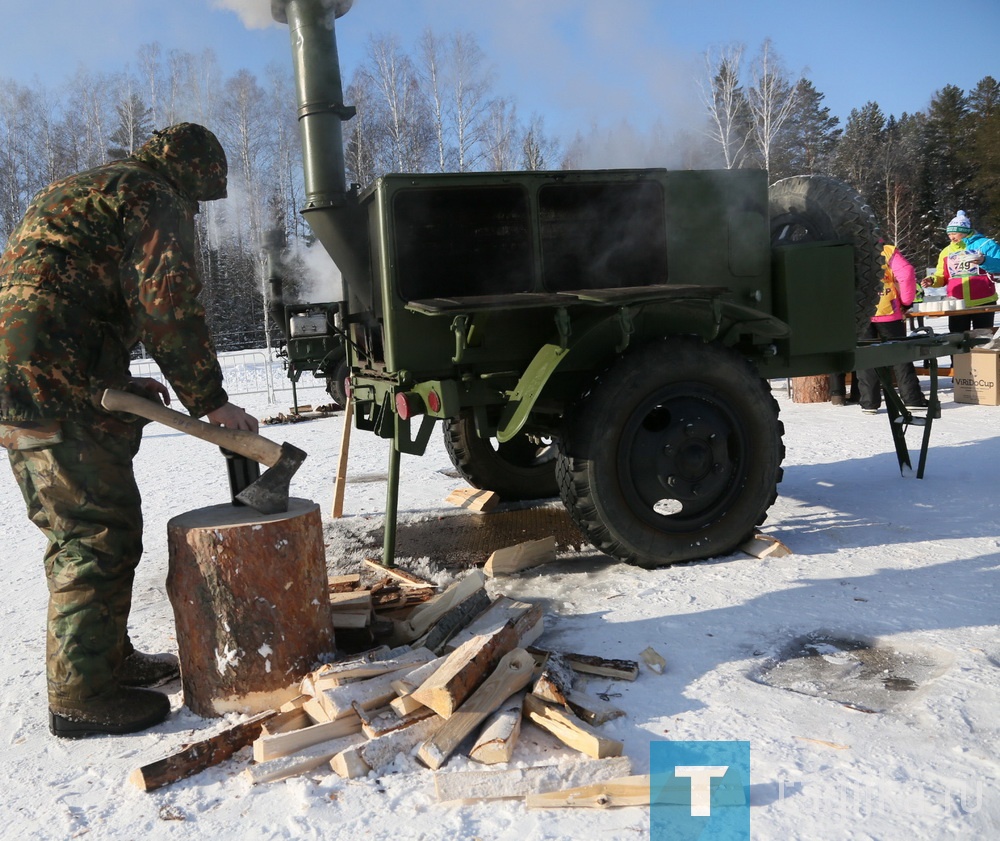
(243, 372)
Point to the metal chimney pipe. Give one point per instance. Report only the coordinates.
(331, 210)
(320, 94)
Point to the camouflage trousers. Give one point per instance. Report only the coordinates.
(82, 494)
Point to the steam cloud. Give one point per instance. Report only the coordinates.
(320, 282)
(255, 14)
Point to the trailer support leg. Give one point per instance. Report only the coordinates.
(391, 506)
(900, 418)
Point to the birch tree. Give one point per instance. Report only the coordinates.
(726, 104)
(538, 150)
(134, 123)
(771, 99)
(470, 101)
(432, 63)
(362, 134)
(403, 106)
(501, 135)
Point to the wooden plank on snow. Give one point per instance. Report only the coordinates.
(474, 499)
(455, 620)
(423, 616)
(498, 737)
(300, 763)
(588, 664)
(328, 678)
(512, 559)
(464, 670)
(467, 787)
(376, 753)
(526, 618)
(284, 744)
(344, 583)
(511, 675)
(199, 756)
(622, 791)
(764, 546)
(569, 729)
(371, 693)
(404, 577)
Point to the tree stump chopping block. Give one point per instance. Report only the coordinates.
(811, 389)
(250, 604)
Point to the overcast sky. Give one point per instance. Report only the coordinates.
(576, 62)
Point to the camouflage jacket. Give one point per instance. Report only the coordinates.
(102, 260)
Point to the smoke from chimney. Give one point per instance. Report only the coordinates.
(255, 14)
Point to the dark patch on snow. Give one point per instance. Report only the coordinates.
(462, 539)
(855, 672)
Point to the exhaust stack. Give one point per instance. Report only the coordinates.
(320, 94)
(331, 209)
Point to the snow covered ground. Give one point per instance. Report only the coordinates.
(907, 564)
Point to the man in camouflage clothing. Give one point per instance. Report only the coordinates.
(102, 260)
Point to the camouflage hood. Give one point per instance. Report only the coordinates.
(190, 157)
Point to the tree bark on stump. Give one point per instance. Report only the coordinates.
(811, 389)
(250, 603)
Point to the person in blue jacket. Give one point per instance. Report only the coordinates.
(957, 270)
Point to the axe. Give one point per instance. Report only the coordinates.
(269, 493)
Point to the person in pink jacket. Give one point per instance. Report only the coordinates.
(899, 287)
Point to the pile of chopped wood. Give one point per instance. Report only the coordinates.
(303, 413)
(453, 665)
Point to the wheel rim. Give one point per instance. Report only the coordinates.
(680, 456)
(795, 228)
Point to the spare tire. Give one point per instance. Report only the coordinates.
(818, 208)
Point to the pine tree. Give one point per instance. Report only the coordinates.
(984, 103)
(135, 124)
(810, 136)
(949, 173)
(858, 159)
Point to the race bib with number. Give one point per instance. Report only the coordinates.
(961, 264)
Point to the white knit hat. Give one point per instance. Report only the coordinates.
(960, 224)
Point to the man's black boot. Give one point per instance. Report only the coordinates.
(125, 710)
(147, 670)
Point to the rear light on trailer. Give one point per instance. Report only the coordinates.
(408, 404)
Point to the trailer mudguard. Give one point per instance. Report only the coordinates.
(550, 357)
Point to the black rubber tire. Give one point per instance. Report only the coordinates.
(518, 470)
(817, 208)
(673, 455)
(336, 383)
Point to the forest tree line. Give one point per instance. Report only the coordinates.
(436, 108)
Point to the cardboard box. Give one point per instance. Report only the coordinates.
(975, 377)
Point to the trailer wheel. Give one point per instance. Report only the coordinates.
(674, 454)
(336, 383)
(522, 468)
(817, 208)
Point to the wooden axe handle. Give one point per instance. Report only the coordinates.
(240, 441)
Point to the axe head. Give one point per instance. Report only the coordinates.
(269, 493)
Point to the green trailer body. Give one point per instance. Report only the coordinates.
(604, 334)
